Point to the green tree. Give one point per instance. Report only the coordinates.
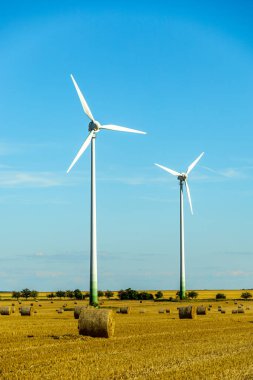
(69, 293)
(246, 295)
(26, 293)
(51, 295)
(192, 294)
(78, 294)
(109, 294)
(145, 296)
(220, 296)
(16, 295)
(159, 294)
(60, 293)
(100, 293)
(34, 294)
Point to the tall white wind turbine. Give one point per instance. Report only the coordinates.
(182, 177)
(94, 128)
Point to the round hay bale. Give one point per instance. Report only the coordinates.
(31, 304)
(75, 303)
(125, 310)
(219, 308)
(118, 311)
(187, 312)
(40, 305)
(52, 301)
(26, 311)
(5, 310)
(161, 311)
(35, 312)
(247, 308)
(98, 323)
(210, 306)
(167, 311)
(201, 310)
(223, 311)
(77, 311)
(234, 311)
(13, 304)
(60, 311)
(240, 311)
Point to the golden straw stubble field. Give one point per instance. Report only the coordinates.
(147, 344)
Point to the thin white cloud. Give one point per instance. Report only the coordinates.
(225, 173)
(234, 273)
(45, 274)
(29, 179)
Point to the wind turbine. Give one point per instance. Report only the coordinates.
(94, 128)
(182, 177)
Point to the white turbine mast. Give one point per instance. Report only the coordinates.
(183, 180)
(94, 128)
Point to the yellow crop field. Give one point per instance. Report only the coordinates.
(146, 344)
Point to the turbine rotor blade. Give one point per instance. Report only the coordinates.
(82, 100)
(194, 163)
(173, 172)
(112, 127)
(81, 150)
(189, 196)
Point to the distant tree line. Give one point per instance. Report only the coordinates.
(25, 293)
(131, 294)
(127, 294)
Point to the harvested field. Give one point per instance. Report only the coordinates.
(145, 345)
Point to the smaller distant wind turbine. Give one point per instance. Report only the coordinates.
(182, 177)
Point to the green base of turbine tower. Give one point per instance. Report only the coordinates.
(93, 295)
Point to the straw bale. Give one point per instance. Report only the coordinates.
(241, 311)
(5, 310)
(125, 310)
(60, 311)
(161, 311)
(98, 323)
(167, 311)
(26, 311)
(187, 312)
(201, 310)
(223, 311)
(234, 311)
(77, 311)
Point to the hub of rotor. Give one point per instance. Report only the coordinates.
(93, 127)
(182, 177)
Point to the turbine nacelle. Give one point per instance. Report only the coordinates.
(182, 177)
(94, 126)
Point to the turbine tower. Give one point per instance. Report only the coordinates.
(182, 177)
(94, 128)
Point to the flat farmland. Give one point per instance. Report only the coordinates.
(146, 344)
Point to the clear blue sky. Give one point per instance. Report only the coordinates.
(180, 70)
